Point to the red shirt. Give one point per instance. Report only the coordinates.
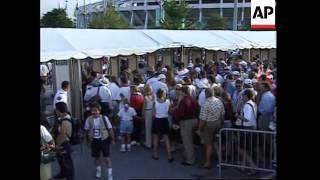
(187, 109)
(136, 101)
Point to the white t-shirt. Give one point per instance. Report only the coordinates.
(61, 96)
(183, 72)
(192, 90)
(127, 115)
(44, 70)
(45, 135)
(250, 114)
(159, 85)
(162, 109)
(114, 91)
(96, 126)
(125, 91)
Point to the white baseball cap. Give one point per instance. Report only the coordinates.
(243, 63)
(164, 70)
(197, 69)
(161, 76)
(236, 73)
(248, 81)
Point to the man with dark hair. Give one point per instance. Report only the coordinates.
(236, 96)
(266, 107)
(230, 86)
(124, 87)
(187, 112)
(62, 94)
(198, 64)
(62, 140)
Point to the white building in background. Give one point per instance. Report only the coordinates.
(145, 14)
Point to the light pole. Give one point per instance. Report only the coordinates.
(235, 15)
(84, 15)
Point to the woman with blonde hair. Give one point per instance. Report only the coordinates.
(147, 114)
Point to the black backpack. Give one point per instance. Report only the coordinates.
(76, 133)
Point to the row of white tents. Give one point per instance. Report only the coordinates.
(62, 43)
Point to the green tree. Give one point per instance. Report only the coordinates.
(245, 26)
(56, 18)
(215, 21)
(175, 15)
(111, 19)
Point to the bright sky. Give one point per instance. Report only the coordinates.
(48, 5)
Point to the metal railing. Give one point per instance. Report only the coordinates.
(247, 149)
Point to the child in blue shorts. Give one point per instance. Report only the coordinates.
(126, 115)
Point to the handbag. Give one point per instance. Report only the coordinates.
(96, 98)
(47, 156)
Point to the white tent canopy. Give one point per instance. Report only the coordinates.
(62, 44)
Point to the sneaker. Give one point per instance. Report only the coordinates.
(98, 172)
(128, 148)
(133, 143)
(122, 149)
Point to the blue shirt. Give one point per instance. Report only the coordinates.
(267, 103)
(230, 88)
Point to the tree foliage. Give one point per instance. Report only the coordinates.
(215, 21)
(175, 15)
(111, 19)
(56, 18)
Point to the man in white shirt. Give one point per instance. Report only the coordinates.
(44, 72)
(125, 88)
(62, 94)
(106, 97)
(248, 115)
(202, 96)
(160, 84)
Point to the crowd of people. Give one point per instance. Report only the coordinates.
(173, 105)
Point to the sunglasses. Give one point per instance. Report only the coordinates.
(238, 86)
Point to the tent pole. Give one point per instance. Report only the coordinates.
(182, 54)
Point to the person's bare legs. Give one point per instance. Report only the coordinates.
(166, 139)
(247, 159)
(155, 145)
(209, 148)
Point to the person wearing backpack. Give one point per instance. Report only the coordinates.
(64, 132)
(247, 120)
(99, 135)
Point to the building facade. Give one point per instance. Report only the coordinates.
(146, 14)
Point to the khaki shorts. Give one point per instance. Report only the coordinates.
(209, 132)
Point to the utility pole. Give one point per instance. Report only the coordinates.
(84, 15)
(235, 15)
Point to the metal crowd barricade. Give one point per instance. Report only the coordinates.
(239, 146)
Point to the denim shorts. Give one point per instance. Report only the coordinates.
(126, 126)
